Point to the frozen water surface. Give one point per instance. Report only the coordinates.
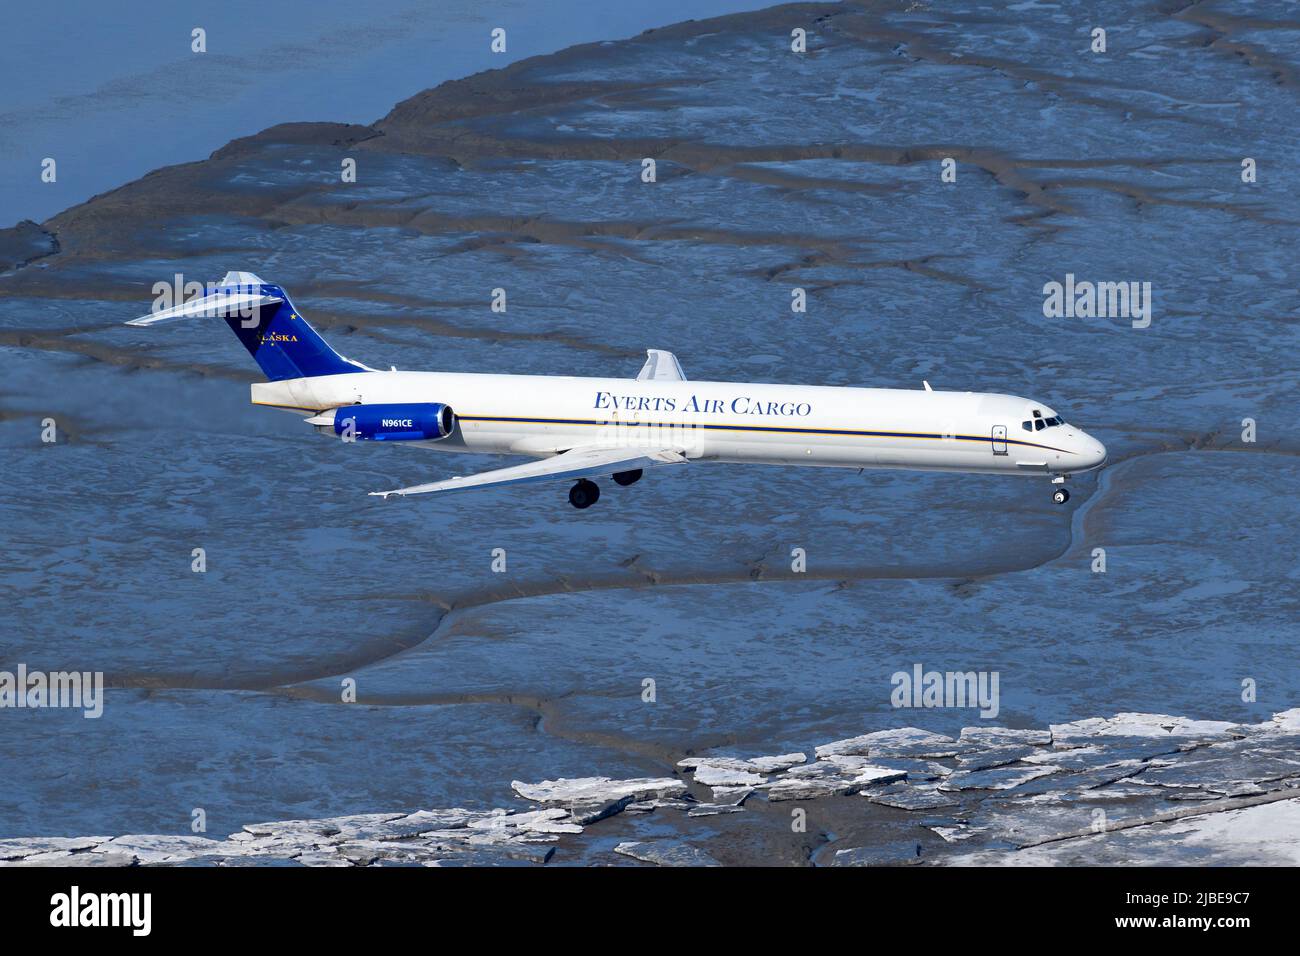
(774, 171)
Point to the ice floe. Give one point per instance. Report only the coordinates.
(901, 742)
(1140, 725)
(777, 763)
(595, 789)
(147, 848)
(666, 853)
(999, 778)
(1288, 721)
(1087, 791)
(1004, 736)
(994, 757)
(911, 798)
(824, 778)
(551, 820)
(18, 849)
(738, 772)
(897, 853)
(713, 776)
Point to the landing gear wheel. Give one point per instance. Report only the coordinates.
(584, 494)
(626, 478)
(1060, 496)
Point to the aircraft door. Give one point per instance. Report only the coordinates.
(999, 439)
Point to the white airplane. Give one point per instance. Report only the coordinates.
(584, 428)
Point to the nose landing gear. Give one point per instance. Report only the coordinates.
(1060, 495)
(584, 493)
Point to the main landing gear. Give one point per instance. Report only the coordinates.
(1060, 495)
(586, 493)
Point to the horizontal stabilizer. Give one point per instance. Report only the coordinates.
(572, 464)
(220, 304)
(661, 366)
(276, 334)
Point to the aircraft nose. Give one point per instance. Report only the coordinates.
(1092, 452)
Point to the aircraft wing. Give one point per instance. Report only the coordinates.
(578, 462)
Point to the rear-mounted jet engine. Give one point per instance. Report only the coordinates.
(414, 421)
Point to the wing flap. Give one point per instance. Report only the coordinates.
(575, 463)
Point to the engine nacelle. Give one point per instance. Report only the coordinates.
(408, 421)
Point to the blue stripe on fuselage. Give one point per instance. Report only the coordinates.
(759, 428)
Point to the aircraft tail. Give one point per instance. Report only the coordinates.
(260, 314)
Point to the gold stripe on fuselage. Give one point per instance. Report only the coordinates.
(714, 426)
(711, 426)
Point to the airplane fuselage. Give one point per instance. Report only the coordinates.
(721, 421)
(577, 429)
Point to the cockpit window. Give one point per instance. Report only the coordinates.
(1040, 423)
